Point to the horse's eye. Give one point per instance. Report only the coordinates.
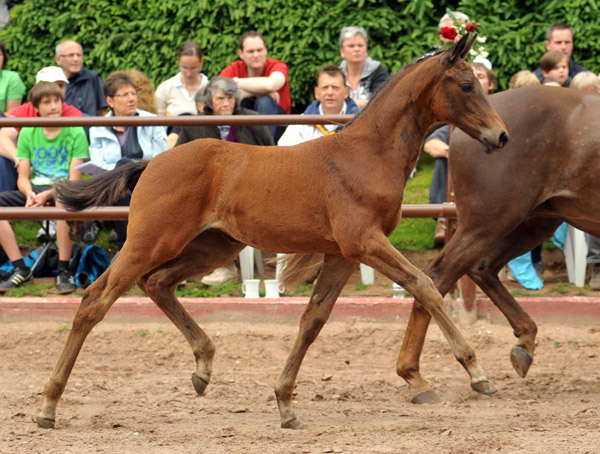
(466, 87)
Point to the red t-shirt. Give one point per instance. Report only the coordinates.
(238, 69)
(27, 110)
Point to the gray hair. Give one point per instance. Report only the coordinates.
(225, 84)
(351, 32)
(59, 46)
(461, 17)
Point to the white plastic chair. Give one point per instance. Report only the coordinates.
(249, 257)
(575, 256)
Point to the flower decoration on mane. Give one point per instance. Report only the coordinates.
(459, 28)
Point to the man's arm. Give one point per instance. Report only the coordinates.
(253, 86)
(23, 183)
(8, 149)
(436, 148)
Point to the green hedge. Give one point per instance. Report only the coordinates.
(145, 34)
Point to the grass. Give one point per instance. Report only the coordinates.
(416, 234)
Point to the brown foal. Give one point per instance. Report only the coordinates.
(195, 208)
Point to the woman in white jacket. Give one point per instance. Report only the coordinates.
(112, 146)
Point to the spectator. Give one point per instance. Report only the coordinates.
(12, 87)
(113, 146)
(523, 78)
(8, 136)
(223, 97)
(263, 81)
(176, 95)
(46, 155)
(145, 90)
(555, 64)
(588, 81)
(550, 81)
(560, 37)
(85, 90)
(331, 95)
(364, 76)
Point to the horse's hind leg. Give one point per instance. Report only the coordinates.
(485, 274)
(96, 301)
(335, 273)
(205, 253)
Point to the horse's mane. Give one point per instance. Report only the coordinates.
(393, 80)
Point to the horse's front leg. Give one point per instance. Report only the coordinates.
(335, 273)
(381, 255)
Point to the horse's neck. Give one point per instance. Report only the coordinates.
(400, 115)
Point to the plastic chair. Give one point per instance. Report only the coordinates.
(575, 256)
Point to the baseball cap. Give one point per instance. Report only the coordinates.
(51, 74)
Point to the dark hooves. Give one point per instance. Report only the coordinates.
(521, 360)
(482, 387)
(199, 384)
(294, 424)
(426, 397)
(45, 423)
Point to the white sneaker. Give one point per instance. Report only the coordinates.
(219, 276)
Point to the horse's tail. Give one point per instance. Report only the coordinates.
(102, 190)
(300, 267)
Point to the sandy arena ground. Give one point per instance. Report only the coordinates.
(130, 391)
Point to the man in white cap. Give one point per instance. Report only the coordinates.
(8, 136)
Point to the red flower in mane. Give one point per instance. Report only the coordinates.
(448, 33)
(470, 27)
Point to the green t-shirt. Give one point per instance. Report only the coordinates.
(11, 87)
(51, 158)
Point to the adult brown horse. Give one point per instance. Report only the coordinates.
(512, 201)
(195, 208)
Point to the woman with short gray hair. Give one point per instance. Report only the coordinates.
(222, 97)
(364, 76)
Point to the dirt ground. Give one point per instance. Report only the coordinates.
(130, 391)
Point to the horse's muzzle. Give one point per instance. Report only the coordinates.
(496, 144)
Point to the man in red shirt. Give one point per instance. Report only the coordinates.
(263, 81)
(8, 136)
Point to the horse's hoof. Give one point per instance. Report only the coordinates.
(482, 387)
(521, 360)
(199, 384)
(426, 397)
(45, 423)
(293, 424)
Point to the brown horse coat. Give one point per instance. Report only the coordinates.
(512, 201)
(194, 208)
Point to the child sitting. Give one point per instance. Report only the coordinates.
(556, 64)
(46, 155)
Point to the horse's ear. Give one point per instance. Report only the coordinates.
(459, 50)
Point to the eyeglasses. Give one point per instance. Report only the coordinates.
(127, 94)
(74, 54)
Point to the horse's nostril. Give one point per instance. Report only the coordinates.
(503, 139)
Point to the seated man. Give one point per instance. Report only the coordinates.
(331, 95)
(263, 81)
(223, 97)
(46, 155)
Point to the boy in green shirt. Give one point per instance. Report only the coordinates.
(46, 155)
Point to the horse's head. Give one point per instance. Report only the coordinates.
(460, 100)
